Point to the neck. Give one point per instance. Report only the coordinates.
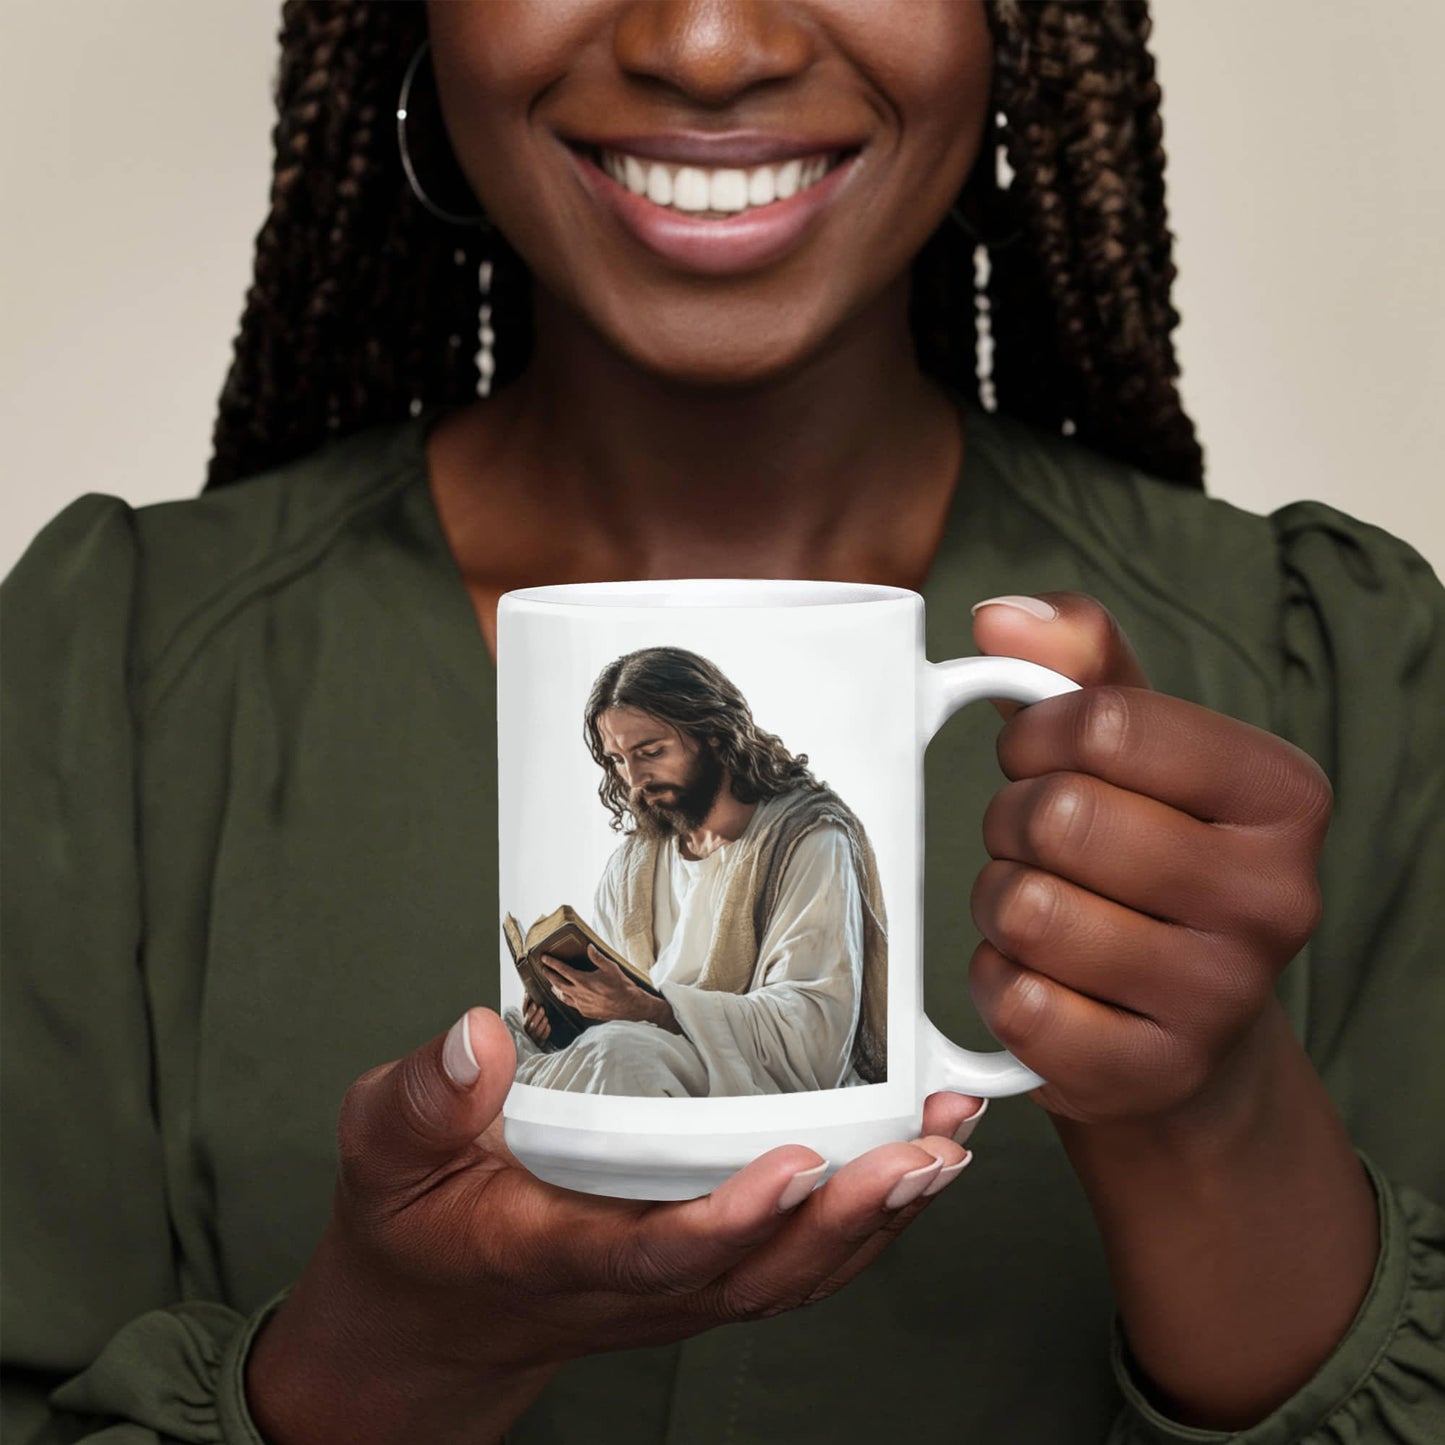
(842, 468)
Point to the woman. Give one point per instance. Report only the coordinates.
(252, 751)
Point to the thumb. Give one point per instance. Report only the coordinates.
(1070, 632)
(401, 1121)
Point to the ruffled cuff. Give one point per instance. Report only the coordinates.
(1385, 1380)
(180, 1372)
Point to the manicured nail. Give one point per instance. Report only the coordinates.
(457, 1057)
(1034, 606)
(961, 1134)
(947, 1176)
(911, 1185)
(800, 1186)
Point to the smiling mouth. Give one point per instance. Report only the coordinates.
(713, 192)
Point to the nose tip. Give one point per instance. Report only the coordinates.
(711, 50)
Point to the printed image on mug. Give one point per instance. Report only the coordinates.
(733, 940)
(710, 880)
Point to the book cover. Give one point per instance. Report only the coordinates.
(563, 934)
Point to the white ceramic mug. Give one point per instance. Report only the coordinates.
(723, 780)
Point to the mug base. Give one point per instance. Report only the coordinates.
(656, 1166)
(687, 1183)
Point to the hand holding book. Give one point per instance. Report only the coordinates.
(575, 978)
(606, 991)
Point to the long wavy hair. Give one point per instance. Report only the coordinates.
(363, 308)
(693, 695)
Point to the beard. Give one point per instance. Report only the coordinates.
(688, 803)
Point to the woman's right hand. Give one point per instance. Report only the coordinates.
(451, 1283)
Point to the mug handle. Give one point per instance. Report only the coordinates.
(943, 688)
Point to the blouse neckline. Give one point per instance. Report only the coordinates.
(454, 600)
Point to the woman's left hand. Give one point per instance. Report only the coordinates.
(1154, 871)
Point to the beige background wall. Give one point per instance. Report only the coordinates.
(1307, 195)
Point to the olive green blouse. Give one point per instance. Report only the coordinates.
(250, 852)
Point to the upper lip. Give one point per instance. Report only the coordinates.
(717, 149)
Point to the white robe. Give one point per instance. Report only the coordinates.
(793, 1029)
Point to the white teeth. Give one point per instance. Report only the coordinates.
(659, 185)
(727, 191)
(690, 190)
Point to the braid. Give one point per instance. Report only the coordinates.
(1084, 320)
(363, 305)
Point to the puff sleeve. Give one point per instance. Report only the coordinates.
(98, 1343)
(1360, 659)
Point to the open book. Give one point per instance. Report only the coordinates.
(565, 935)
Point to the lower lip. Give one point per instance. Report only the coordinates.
(715, 248)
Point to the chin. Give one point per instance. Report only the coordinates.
(708, 347)
(652, 825)
(719, 367)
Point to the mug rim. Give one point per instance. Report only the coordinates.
(716, 592)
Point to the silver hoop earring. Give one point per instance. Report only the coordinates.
(980, 238)
(1002, 181)
(961, 221)
(480, 219)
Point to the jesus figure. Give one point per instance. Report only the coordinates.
(744, 888)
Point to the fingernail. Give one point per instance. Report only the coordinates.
(458, 1059)
(947, 1176)
(1034, 606)
(800, 1186)
(961, 1134)
(911, 1185)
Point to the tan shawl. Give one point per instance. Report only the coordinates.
(755, 866)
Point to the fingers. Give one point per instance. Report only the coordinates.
(831, 1224)
(672, 1248)
(1101, 1058)
(813, 1249)
(554, 968)
(560, 983)
(1083, 640)
(1179, 977)
(734, 1254)
(534, 1017)
(953, 1116)
(877, 1242)
(1213, 767)
(835, 1231)
(1136, 850)
(686, 1247)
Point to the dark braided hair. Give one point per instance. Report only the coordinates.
(363, 305)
